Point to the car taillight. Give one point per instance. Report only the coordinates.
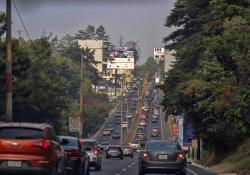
(144, 155)
(181, 156)
(96, 151)
(73, 154)
(44, 144)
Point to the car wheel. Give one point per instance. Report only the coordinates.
(107, 157)
(86, 168)
(183, 172)
(55, 171)
(141, 171)
(121, 157)
(100, 166)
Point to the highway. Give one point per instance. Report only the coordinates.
(129, 166)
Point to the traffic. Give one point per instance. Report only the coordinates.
(35, 148)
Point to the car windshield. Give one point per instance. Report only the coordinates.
(88, 145)
(162, 146)
(20, 133)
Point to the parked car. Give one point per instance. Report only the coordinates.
(129, 116)
(162, 156)
(116, 135)
(77, 160)
(30, 149)
(114, 151)
(155, 132)
(94, 153)
(127, 151)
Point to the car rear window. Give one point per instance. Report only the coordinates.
(20, 133)
(115, 148)
(88, 145)
(161, 146)
(70, 142)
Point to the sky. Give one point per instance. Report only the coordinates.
(137, 20)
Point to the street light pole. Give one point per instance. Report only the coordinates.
(81, 98)
(8, 63)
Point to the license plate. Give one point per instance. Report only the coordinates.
(14, 164)
(163, 157)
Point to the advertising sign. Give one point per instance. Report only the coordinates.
(121, 63)
(175, 130)
(74, 124)
(189, 132)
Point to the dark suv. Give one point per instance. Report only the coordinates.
(77, 160)
(30, 148)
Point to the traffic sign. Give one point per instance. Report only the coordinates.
(74, 124)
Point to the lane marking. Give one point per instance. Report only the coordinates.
(124, 169)
(129, 166)
(192, 172)
(117, 174)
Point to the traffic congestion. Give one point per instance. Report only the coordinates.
(36, 149)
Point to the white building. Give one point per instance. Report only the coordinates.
(159, 54)
(96, 45)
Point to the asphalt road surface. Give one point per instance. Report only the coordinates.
(129, 166)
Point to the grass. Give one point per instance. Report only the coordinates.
(236, 162)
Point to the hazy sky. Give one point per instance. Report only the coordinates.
(138, 20)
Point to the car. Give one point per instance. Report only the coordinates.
(127, 151)
(135, 145)
(142, 123)
(154, 120)
(104, 146)
(128, 116)
(106, 132)
(162, 156)
(124, 124)
(110, 128)
(114, 151)
(118, 121)
(116, 135)
(30, 148)
(94, 153)
(77, 160)
(154, 133)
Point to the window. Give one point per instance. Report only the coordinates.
(20, 133)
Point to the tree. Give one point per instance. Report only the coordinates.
(209, 81)
(134, 46)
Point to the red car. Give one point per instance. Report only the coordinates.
(30, 148)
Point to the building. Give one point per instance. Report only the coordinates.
(96, 45)
(159, 54)
(169, 60)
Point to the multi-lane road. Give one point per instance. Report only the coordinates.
(129, 166)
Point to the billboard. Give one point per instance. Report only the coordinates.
(121, 63)
(189, 132)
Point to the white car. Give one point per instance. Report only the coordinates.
(124, 124)
(129, 116)
(135, 145)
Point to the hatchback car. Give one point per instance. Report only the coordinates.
(114, 151)
(94, 153)
(30, 148)
(162, 157)
(116, 135)
(77, 161)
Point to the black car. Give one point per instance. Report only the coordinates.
(114, 151)
(77, 160)
(116, 135)
(162, 157)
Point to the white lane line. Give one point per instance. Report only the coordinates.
(124, 169)
(133, 163)
(117, 174)
(192, 172)
(129, 166)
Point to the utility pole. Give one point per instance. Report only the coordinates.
(8, 63)
(81, 98)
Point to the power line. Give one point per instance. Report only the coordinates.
(19, 15)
